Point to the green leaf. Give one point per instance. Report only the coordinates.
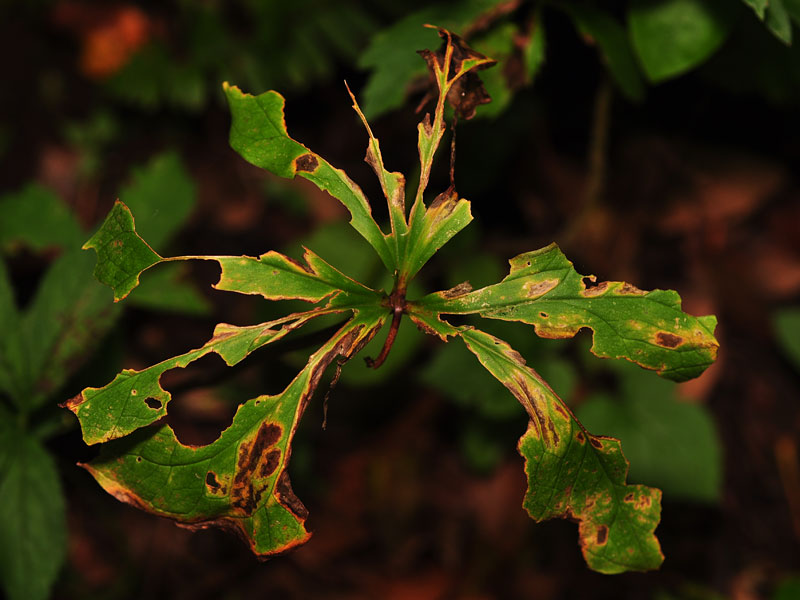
(759, 7)
(33, 529)
(612, 41)
(573, 474)
(793, 8)
(258, 134)
(786, 324)
(534, 50)
(544, 290)
(162, 196)
(392, 184)
(778, 22)
(11, 354)
(674, 36)
(445, 217)
(239, 481)
(671, 444)
(67, 317)
(37, 218)
(135, 399)
(121, 254)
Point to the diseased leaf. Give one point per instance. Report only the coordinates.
(258, 134)
(574, 474)
(240, 481)
(544, 290)
(390, 55)
(392, 184)
(446, 216)
(122, 256)
(33, 529)
(135, 399)
(674, 36)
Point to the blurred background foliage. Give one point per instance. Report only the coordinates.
(654, 140)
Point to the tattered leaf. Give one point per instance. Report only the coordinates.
(574, 474)
(390, 55)
(392, 184)
(258, 134)
(123, 255)
(674, 36)
(135, 399)
(240, 481)
(33, 529)
(453, 69)
(544, 290)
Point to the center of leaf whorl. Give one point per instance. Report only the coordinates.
(396, 303)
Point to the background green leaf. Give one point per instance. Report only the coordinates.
(674, 36)
(670, 443)
(33, 529)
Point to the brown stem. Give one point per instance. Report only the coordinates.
(397, 302)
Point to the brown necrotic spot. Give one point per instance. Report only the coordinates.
(249, 454)
(153, 403)
(539, 288)
(629, 497)
(270, 463)
(580, 437)
(459, 290)
(602, 535)
(245, 495)
(626, 289)
(595, 442)
(597, 290)
(668, 340)
(306, 162)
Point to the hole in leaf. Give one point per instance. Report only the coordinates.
(153, 403)
(205, 396)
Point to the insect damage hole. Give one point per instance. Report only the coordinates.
(153, 403)
(198, 413)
